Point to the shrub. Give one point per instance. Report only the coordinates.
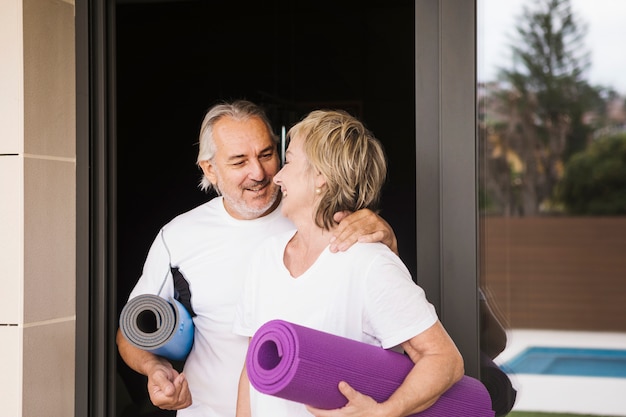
(594, 181)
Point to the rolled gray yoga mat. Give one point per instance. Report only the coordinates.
(164, 328)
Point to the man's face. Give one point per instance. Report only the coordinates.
(243, 167)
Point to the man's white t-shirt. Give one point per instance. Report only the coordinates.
(365, 294)
(212, 251)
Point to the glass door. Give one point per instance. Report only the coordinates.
(552, 205)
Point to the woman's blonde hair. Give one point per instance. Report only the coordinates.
(350, 158)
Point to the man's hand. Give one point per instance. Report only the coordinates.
(361, 226)
(358, 405)
(168, 389)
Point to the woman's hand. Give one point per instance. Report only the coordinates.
(358, 405)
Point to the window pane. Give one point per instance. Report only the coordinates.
(552, 195)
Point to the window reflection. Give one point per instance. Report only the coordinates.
(552, 202)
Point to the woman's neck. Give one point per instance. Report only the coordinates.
(304, 248)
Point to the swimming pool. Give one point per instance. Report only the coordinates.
(568, 361)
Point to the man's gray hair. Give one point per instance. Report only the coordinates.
(238, 110)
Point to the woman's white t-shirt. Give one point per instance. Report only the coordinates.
(364, 294)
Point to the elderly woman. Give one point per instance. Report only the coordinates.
(333, 163)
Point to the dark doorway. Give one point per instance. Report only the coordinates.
(174, 59)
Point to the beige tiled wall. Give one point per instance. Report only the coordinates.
(11, 239)
(49, 369)
(10, 366)
(37, 209)
(11, 206)
(11, 68)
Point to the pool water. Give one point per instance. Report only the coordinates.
(569, 361)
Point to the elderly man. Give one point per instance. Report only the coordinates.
(210, 245)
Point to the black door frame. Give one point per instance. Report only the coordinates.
(446, 207)
(446, 167)
(96, 217)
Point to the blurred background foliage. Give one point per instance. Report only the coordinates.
(549, 140)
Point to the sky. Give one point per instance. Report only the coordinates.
(605, 40)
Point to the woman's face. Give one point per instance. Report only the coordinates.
(297, 182)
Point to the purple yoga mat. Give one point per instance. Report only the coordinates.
(306, 365)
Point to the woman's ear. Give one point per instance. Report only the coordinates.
(320, 180)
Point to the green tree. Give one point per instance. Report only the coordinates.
(594, 182)
(544, 98)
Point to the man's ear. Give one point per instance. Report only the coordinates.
(209, 171)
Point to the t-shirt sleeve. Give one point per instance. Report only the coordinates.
(156, 275)
(396, 309)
